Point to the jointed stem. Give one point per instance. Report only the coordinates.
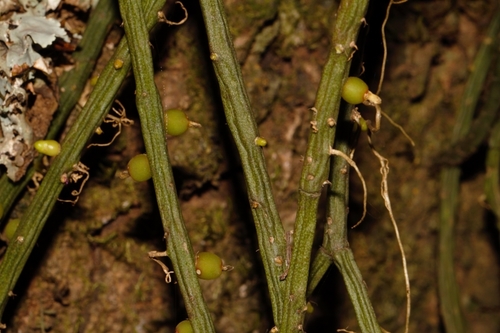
(242, 124)
(317, 159)
(154, 134)
(89, 119)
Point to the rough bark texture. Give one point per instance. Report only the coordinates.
(91, 272)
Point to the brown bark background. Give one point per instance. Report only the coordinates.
(90, 271)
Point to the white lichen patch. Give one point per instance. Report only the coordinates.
(18, 63)
(17, 133)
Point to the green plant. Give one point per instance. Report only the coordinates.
(10, 228)
(285, 279)
(354, 90)
(208, 265)
(48, 147)
(292, 269)
(176, 122)
(184, 327)
(138, 168)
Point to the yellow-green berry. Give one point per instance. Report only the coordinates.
(176, 122)
(48, 147)
(138, 168)
(118, 64)
(184, 327)
(208, 265)
(10, 228)
(260, 141)
(354, 90)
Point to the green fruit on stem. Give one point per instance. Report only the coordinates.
(208, 265)
(260, 141)
(138, 168)
(176, 122)
(184, 327)
(48, 147)
(10, 228)
(118, 64)
(354, 90)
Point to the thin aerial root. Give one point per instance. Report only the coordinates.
(399, 127)
(166, 270)
(384, 42)
(115, 121)
(355, 167)
(384, 190)
(157, 254)
(162, 18)
(80, 171)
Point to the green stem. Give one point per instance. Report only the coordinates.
(356, 288)
(150, 110)
(242, 124)
(319, 266)
(448, 287)
(90, 118)
(336, 242)
(476, 79)
(492, 179)
(454, 320)
(317, 158)
(71, 86)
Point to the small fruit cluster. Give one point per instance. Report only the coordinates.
(176, 123)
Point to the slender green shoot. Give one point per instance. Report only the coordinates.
(317, 158)
(90, 118)
(148, 102)
(241, 122)
(449, 297)
(71, 86)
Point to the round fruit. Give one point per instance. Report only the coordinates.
(354, 90)
(176, 122)
(260, 141)
(184, 327)
(208, 265)
(118, 64)
(48, 147)
(138, 168)
(10, 228)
